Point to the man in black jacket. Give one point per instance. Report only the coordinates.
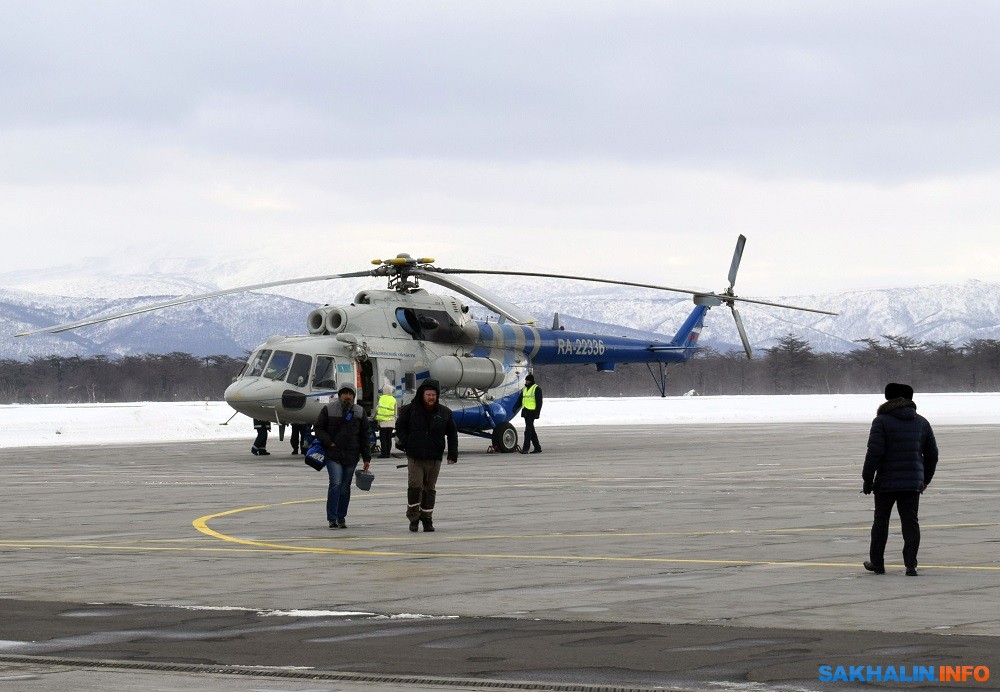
(900, 463)
(422, 427)
(342, 427)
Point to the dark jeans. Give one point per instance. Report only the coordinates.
(907, 504)
(530, 436)
(338, 494)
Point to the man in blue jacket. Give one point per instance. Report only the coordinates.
(900, 463)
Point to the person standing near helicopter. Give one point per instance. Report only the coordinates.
(530, 404)
(259, 448)
(422, 428)
(385, 417)
(301, 437)
(342, 427)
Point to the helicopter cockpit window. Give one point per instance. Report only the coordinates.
(430, 325)
(298, 374)
(278, 367)
(257, 362)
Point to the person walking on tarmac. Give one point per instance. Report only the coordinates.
(385, 416)
(259, 448)
(530, 403)
(342, 427)
(300, 436)
(899, 465)
(422, 428)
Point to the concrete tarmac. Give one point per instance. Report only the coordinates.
(638, 557)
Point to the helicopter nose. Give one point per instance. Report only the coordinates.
(255, 397)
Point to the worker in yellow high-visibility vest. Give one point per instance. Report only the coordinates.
(385, 417)
(530, 404)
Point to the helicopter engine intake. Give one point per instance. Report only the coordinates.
(326, 320)
(316, 321)
(336, 320)
(470, 371)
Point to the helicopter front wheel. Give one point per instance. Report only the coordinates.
(505, 438)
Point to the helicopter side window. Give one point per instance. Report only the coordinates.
(432, 325)
(258, 361)
(278, 367)
(389, 378)
(407, 319)
(298, 374)
(326, 373)
(409, 381)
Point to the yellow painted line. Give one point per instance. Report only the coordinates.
(201, 524)
(134, 548)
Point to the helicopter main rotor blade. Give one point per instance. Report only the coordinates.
(743, 332)
(737, 257)
(479, 294)
(55, 329)
(722, 298)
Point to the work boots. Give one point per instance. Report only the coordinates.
(877, 569)
(428, 524)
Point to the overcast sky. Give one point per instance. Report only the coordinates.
(856, 144)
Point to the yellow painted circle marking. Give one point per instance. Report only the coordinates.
(201, 524)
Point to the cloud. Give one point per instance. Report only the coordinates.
(855, 144)
(825, 90)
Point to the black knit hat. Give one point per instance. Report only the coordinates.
(894, 390)
(530, 378)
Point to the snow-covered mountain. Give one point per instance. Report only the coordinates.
(233, 325)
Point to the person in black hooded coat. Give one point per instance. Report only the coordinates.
(422, 427)
(900, 463)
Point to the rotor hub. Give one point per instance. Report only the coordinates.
(400, 269)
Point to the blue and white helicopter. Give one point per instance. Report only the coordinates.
(404, 334)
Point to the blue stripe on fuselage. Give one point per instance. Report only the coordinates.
(565, 347)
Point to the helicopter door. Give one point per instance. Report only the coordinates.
(366, 394)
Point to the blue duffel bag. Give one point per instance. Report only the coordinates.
(315, 455)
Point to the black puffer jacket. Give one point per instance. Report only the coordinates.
(902, 452)
(422, 432)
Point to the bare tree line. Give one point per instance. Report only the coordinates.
(790, 367)
(793, 367)
(167, 377)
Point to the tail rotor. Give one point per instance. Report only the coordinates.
(733, 269)
(737, 258)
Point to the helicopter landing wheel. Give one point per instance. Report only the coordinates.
(504, 438)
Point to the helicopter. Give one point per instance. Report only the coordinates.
(404, 335)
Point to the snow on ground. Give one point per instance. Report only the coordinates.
(73, 424)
